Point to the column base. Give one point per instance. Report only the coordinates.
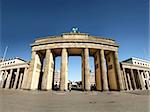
(105, 89)
(87, 90)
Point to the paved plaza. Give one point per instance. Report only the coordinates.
(74, 101)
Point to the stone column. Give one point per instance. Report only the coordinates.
(31, 70)
(53, 80)
(20, 80)
(147, 79)
(98, 75)
(25, 79)
(125, 78)
(133, 79)
(118, 73)
(4, 78)
(34, 71)
(64, 70)
(141, 80)
(83, 71)
(9, 79)
(103, 70)
(48, 71)
(16, 79)
(1, 80)
(87, 69)
(129, 80)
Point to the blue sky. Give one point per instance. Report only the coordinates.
(125, 21)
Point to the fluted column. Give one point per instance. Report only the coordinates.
(148, 75)
(133, 79)
(34, 71)
(87, 69)
(147, 79)
(9, 79)
(48, 71)
(117, 66)
(25, 79)
(141, 80)
(125, 78)
(20, 81)
(98, 75)
(31, 70)
(16, 79)
(83, 71)
(1, 80)
(64, 70)
(103, 70)
(129, 81)
(4, 78)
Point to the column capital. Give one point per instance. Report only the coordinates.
(64, 50)
(116, 54)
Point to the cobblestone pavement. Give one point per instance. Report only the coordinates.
(74, 101)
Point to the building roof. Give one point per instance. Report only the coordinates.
(136, 62)
(138, 59)
(14, 59)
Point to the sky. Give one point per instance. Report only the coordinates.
(125, 21)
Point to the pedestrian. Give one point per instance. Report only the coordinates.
(70, 86)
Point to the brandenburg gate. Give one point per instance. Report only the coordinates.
(45, 50)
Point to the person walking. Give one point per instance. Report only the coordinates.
(70, 86)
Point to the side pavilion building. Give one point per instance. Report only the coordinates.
(136, 74)
(13, 72)
(45, 50)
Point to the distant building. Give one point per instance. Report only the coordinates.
(57, 78)
(11, 62)
(136, 73)
(138, 62)
(92, 78)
